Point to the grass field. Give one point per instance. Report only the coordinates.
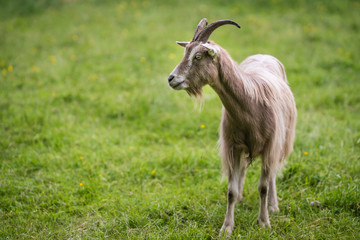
(95, 145)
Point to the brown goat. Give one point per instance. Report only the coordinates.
(258, 115)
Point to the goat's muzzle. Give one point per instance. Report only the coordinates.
(176, 82)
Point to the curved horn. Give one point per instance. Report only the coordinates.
(203, 22)
(205, 34)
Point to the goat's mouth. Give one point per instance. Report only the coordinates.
(177, 86)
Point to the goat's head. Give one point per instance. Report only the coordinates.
(199, 64)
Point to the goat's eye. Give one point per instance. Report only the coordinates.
(198, 56)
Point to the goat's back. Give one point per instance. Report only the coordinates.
(261, 62)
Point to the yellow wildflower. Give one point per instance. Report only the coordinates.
(340, 51)
(122, 6)
(35, 69)
(4, 71)
(307, 28)
(81, 184)
(131, 148)
(153, 172)
(305, 153)
(134, 4)
(234, 10)
(321, 8)
(81, 157)
(53, 59)
(10, 68)
(124, 32)
(142, 59)
(94, 76)
(202, 126)
(2, 63)
(137, 14)
(146, 4)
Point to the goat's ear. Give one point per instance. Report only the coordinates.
(212, 50)
(182, 44)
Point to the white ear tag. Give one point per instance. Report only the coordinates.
(212, 53)
(212, 50)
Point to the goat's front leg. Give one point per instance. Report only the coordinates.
(232, 197)
(235, 188)
(263, 188)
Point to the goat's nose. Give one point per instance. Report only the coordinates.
(171, 77)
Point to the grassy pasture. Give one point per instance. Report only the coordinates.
(94, 144)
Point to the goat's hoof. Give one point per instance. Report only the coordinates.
(226, 230)
(274, 209)
(262, 223)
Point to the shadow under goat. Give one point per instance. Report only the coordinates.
(258, 115)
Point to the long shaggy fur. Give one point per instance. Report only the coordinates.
(259, 81)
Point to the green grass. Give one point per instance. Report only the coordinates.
(95, 145)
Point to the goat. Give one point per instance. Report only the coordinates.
(258, 113)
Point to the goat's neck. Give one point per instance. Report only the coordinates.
(229, 86)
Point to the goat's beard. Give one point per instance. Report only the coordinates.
(195, 92)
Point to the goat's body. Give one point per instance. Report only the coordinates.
(260, 115)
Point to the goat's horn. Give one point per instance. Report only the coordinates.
(203, 22)
(205, 34)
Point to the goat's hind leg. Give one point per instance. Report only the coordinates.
(263, 188)
(244, 163)
(235, 186)
(273, 202)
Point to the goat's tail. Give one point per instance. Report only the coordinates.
(282, 71)
(290, 132)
